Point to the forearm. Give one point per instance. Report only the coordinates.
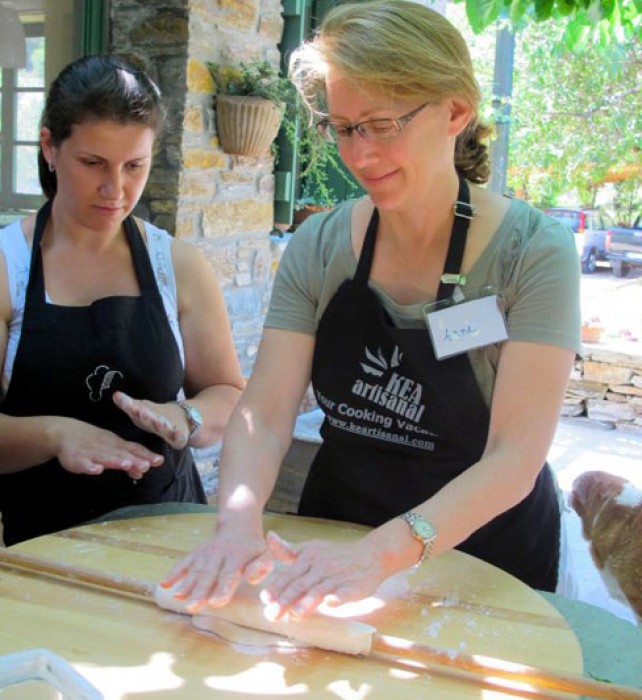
(499, 481)
(250, 462)
(520, 435)
(260, 429)
(27, 442)
(215, 404)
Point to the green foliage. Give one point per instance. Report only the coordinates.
(627, 205)
(257, 79)
(586, 22)
(575, 118)
(317, 158)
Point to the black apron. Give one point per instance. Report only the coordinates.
(69, 362)
(400, 424)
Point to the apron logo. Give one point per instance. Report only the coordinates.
(100, 380)
(395, 392)
(380, 362)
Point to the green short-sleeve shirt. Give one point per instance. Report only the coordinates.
(531, 261)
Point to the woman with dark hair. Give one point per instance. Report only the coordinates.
(438, 322)
(116, 346)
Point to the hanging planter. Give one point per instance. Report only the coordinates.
(250, 102)
(247, 125)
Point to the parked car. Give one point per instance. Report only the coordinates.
(624, 248)
(591, 228)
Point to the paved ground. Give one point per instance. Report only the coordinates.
(581, 446)
(617, 302)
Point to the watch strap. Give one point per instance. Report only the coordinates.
(194, 420)
(415, 522)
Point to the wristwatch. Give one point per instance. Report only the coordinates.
(421, 530)
(194, 417)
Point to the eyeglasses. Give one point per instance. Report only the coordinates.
(378, 129)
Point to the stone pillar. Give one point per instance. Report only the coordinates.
(222, 203)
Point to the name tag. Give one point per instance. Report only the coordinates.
(466, 326)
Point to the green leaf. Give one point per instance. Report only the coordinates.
(604, 33)
(565, 7)
(608, 8)
(482, 13)
(518, 9)
(543, 9)
(577, 35)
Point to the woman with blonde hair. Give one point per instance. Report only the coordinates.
(438, 322)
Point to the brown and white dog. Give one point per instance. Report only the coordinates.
(610, 509)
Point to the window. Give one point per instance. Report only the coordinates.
(22, 93)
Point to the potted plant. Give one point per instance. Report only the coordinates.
(250, 101)
(319, 164)
(592, 330)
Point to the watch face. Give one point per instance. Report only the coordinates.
(197, 418)
(424, 529)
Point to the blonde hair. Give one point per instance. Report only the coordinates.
(402, 49)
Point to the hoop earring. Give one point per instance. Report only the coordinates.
(52, 167)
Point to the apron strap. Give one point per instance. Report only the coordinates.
(464, 212)
(141, 260)
(140, 257)
(451, 276)
(36, 284)
(367, 250)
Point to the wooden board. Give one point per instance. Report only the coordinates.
(131, 649)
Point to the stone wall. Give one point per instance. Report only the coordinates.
(606, 386)
(222, 203)
(157, 32)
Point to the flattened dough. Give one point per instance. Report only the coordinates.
(317, 630)
(244, 636)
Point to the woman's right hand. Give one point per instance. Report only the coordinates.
(211, 573)
(256, 440)
(82, 448)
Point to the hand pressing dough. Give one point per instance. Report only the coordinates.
(245, 609)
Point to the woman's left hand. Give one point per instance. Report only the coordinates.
(319, 571)
(167, 420)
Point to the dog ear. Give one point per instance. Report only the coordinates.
(580, 500)
(578, 506)
(589, 492)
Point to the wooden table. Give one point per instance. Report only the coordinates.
(131, 649)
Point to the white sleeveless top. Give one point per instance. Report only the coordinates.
(17, 257)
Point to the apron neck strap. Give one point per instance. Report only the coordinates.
(367, 250)
(36, 285)
(142, 265)
(140, 257)
(451, 276)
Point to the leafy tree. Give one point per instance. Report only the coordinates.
(586, 22)
(627, 205)
(575, 118)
